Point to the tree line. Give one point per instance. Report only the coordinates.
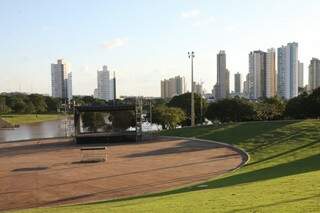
(23, 103)
(306, 105)
(177, 111)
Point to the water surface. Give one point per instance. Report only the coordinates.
(47, 129)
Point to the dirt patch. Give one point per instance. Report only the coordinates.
(130, 170)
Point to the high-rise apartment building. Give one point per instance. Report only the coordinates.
(246, 91)
(222, 87)
(300, 75)
(172, 87)
(105, 85)
(257, 74)
(69, 86)
(237, 83)
(61, 80)
(270, 74)
(288, 70)
(314, 74)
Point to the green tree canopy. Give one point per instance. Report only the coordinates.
(39, 103)
(93, 121)
(184, 102)
(168, 117)
(226, 110)
(122, 120)
(269, 109)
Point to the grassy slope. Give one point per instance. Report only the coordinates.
(283, 174)
(30, 118)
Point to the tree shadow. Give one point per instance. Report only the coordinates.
(283, 153)
(237, 133)
(182, 147)
(308, 164)
(275, 204)
(33, 148)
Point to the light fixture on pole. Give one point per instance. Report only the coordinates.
(191, 56)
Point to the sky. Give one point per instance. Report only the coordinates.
(145, 41)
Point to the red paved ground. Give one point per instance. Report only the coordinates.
(131, 169)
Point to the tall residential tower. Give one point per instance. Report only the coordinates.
(61, 80)
(288, 70)
(237, 83)
(257, 73)
(172, 87)
(300, 75)
(270, 75)
(314, 74)
(105, 85)
(222, 88)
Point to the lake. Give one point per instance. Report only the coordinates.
(47, 129)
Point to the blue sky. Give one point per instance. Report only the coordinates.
(145, 41)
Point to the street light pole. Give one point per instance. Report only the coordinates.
(191, 56)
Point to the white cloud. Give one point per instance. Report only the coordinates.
(190, 14)
(117, 42)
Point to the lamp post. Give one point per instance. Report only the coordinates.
(191, 56)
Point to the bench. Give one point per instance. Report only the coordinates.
(93, 154)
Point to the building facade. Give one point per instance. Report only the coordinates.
(314, 74)
(237, 83)
(246, 91)
(288, 70)
(222, 87)
(257, 74)
(172, 87)
(270, 75)
(105, 85)
(61, 80)
(69, 86)
(300, 75)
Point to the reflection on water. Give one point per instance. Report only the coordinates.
(46, 129)
(50, 129)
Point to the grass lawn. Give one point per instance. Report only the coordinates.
(30, 118)
(283, 174)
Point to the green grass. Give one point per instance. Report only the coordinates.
(30, 118)
(283, 174)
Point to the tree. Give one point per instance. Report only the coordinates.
(313, 103)
(29, 108)
(4, 108)
(39, 103)
(123, 119)
(299, 107)
(93, 121)
(184, 102)
(168, 117)
(18, 105)
(89, 100)
(52, 104)
(226, 110)
(269, 109)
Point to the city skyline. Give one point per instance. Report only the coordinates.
(141, 46)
